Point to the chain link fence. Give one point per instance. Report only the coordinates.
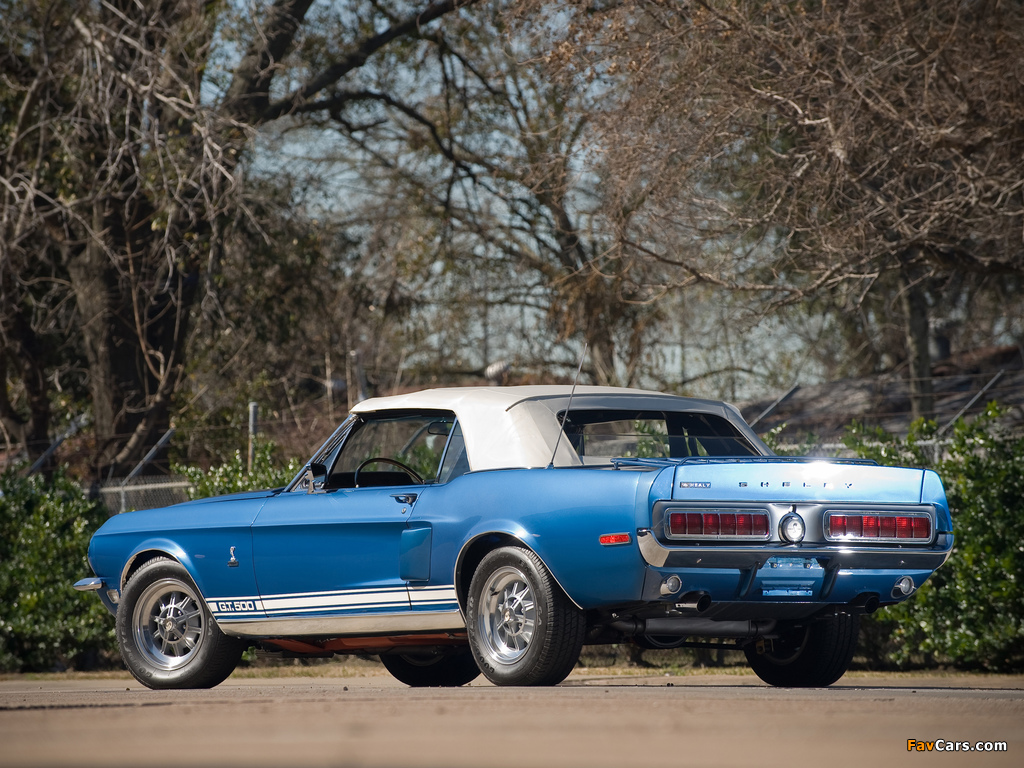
(144, 493)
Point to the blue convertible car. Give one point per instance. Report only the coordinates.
(498, 530)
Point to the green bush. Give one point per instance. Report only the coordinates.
(970, 614)
(233, 477)
(45, 526)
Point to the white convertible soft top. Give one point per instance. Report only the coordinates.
(509, 427)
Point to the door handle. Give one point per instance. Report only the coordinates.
(405, 498)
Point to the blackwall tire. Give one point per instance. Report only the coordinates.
(523, 629)
(166, 634)
(814, 655)
(441, 670)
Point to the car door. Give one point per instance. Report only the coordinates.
(330, 555)
(329, 561)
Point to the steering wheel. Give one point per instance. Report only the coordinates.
(382, 460)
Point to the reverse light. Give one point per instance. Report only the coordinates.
(881, 526)
(719, 524)
(671, 585)
(903, 586)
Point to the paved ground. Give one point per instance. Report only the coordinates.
(591, 720)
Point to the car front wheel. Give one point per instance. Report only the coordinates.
(428, 670)
(166, 635)
(523, 629)
(809, 656)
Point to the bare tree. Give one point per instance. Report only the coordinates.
(130, 124)
(491, 161)
(806, 150)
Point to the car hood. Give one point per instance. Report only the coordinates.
(230, 509)
(244, 495)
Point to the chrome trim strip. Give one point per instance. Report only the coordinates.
(372, 623)
(89, 585)
(888, 558)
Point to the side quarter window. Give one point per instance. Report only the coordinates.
(456, 461)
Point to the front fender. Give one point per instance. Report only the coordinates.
(159, 547)
(212, 541)
(113, 569)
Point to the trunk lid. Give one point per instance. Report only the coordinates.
(777, 479)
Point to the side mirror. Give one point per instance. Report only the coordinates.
(315, 478)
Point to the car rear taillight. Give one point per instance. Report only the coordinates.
(881, 526)
(719, 524)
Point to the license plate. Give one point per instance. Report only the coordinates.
(793, 563)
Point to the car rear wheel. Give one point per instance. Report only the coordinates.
(523, 629)
(808, 656)
(166, 635)
(432, 670)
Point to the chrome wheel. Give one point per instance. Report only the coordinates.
(167, 624)
(508, 615)
(523, 629)
(166, 634)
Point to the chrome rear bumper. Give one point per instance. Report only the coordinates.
(754, 557)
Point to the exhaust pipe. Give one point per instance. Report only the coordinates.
(694, 601)
(683, 627)
(866, 601)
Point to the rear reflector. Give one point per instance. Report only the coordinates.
(880, 526)
(719, 524)
(614, 538)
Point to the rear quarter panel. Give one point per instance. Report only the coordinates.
(558, 513)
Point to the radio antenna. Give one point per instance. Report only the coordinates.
(565, 413)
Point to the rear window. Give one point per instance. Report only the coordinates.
(607, 434)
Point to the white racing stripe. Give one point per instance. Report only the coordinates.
(447, 591)
(433, 596)
(338, 601)
(341, 601)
